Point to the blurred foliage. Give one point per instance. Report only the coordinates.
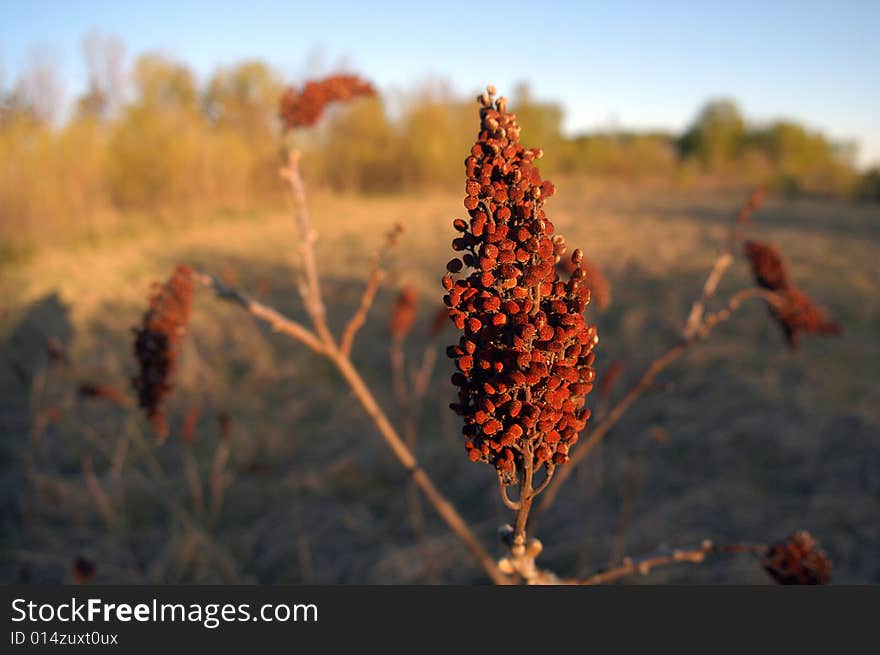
(716, 136)
(869, 185)
(172, 144)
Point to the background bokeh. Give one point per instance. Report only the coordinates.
(121, 156)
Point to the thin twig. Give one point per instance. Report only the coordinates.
(551, 469)
(722, 263)
(526, 496)
(644, 565)
(360, 316)
(443, 507)
(322, 341)
(266, 314)
(193, 479)
(515, 505)
(218, 474)
(631, 487)
(120, 451)
(398, 375)
(410, 406)
(312, 288)
(102, 501)
(421, 377)
(373, 281)
(695, 318)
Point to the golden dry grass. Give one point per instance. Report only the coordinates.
(761, 441)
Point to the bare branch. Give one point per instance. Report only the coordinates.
(695, 318)
(510, 504)
(443, 507)
(645, 564)
(360, 316)
(422, 377)
(725, 259)
(372, 286)
(276, 321)
(193, 479)
(219, 480)
(409, 399)
(546, 483)
(322, 341)
(102, 501)
(311, 290)
(526, 496)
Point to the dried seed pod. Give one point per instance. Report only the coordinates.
(797, 560)
(102, 391)
(156, 344)
(796, 313)
(520, 387)
(403, 313)
(83, 570)
(441, 316)
(190, 423)
(304, 107)
(610, 379)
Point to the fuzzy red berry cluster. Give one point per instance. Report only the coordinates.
(403, 314)
(304, 107)
(796, 313)
(525, 354)
(600, 286)
(156, 343)
(798, 560)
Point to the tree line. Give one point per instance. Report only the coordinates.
(153, 138)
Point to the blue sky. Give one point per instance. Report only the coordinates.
(623, 64)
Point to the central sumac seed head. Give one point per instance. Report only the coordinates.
(524, 358)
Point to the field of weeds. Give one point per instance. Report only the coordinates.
(740, 440)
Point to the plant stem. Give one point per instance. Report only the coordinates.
(646, 564)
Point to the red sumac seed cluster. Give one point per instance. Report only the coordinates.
(796, 313)
(524, 358)
(156, 342)
(304, 107)
(798, 560)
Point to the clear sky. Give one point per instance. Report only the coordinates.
(626, 64)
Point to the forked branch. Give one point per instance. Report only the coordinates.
(722, 263)
(373, 281)
(322, 342)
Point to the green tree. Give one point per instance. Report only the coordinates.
(717, 134)
(805, 160)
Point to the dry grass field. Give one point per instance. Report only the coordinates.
(761, 441)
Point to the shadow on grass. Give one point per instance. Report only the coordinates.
(316, 496)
